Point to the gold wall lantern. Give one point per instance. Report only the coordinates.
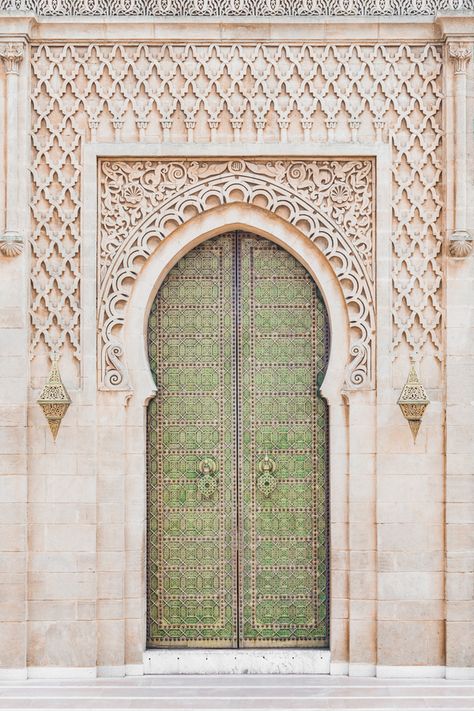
(54, 399)
(413, 401)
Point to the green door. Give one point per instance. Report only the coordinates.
(237, 451)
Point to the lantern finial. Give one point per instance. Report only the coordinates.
(54, 399)
(413, 401)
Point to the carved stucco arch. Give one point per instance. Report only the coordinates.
(145, 202)
(210, 224)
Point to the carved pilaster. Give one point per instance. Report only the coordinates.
(461, 55)
(11, 242)
(460, 245)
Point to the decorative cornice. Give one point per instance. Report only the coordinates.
(240, 8)
(12, 53)
(461, 55)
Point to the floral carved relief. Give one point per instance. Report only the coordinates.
(237, 94)
(142, 202)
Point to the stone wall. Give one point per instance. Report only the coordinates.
(124, 146)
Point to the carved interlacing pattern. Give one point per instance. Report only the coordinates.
(236, 7)
(144, 201)
(231, 93)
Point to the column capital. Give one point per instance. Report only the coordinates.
(461, 54)
(12, 53)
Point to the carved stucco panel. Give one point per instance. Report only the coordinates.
(240, 94)
(142, 202)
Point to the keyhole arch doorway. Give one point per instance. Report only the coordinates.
(237, 455)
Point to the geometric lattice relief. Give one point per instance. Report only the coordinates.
(262, 8)
(329, 201)
(226, 92)
(238, 345)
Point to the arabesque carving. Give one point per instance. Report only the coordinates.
(231, 93)
(142, 202)
(235, 7)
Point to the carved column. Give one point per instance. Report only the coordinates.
(459, 384)
(460, 241)
(11, 242)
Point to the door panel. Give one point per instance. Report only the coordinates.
(191, 454)
(237, 451)
(283, 514)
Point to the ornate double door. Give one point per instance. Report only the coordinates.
(237, 451)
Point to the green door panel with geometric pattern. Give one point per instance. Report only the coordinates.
(238, 451)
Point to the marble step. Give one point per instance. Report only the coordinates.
(257, 693)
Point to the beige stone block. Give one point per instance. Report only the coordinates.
(362, 585)
(412, 487)
(60, 464)
(12, 606)
(460, 586)
(14, 464)
(13, 488)
(459, 440)
(111, 489)
(362, 488)
(406, 586)
(112, 561)
(410, 643)
(459, 537)
(362, 536)
(110, 513)
(459, 488)
(362, 641)
(62, 644)
(67, 514)
(135, 608)
(422, 561)
(339, 560)
(12, 644)
(12, 513)
(339, 584)
(13, 416)
(110, 642)
(12, 562)
(51, 610)
(110, 586)
(460, 513)
(12, 537)
(409, 537)
(134, 635)
(404, 464)
(362, 560)
(72, 537)
(460, 610)
(110, 537)
(13, 365)
(410, 512)
(86, 610)
(362, 609)
(362, 512)
(110, 610)
(460, 644)
(12, 440)
(339, 641)
(460, 562)
(76, 489)
(417, 610)
(62, 586)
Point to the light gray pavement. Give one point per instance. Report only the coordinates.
(246, 693)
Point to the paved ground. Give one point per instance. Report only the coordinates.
(248, 693)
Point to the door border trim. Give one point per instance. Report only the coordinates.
(237, 661)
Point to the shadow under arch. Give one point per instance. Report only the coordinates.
(225, 218)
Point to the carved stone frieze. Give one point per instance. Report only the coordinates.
(331, 201)
(238, 94)
(236, 7)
